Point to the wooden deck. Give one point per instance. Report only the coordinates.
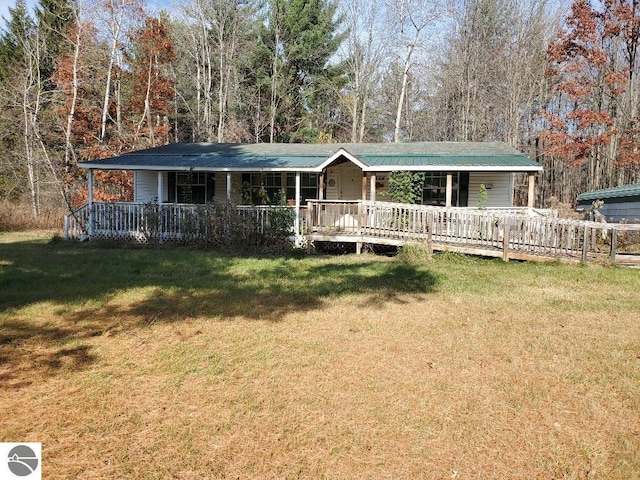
(518, 234)
(507, 234)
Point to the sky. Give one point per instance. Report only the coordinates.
(153, 6)
(4, 9)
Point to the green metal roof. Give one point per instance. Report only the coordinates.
(632, 190)
(448, 160)
(484, 156)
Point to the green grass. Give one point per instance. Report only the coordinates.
(176, 363)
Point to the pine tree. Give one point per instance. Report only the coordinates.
(302, 37)
(54, 19)
(19, 26)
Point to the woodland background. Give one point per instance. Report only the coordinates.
(89, 79)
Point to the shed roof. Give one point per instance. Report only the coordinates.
(622, 191)
(455, 156)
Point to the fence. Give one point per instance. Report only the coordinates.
(163, 222)
(491, 232)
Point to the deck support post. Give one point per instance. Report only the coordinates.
(505, 240)
(90, 202)
(228, 186)
(449, 192)
(532, 185)
(358, 248)
(585, 245)
(372, 187)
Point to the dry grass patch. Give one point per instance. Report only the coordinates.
(171, 363)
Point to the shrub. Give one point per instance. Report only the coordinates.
(414, 253)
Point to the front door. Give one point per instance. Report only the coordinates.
(350, 184)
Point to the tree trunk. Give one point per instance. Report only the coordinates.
(68, 150)
(403, 90)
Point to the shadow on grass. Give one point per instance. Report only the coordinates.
(29, 351)
(82, 284)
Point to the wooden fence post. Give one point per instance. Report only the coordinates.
(505, 240)
(614, 239)
(430, 231)
(585, 244)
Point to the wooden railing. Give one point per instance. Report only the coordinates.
(141, 222)
(482, 232)
(485, 232)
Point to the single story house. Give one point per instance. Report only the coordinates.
(188, 173)
(621, 204)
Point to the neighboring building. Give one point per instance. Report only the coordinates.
(621, 204)
(249, 173)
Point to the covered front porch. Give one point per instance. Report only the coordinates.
(178, 180)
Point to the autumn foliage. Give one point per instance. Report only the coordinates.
(592, 119)
(145, 110)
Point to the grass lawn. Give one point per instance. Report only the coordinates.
(165, 363)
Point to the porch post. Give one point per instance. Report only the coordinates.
(364, 186)
(449, 192)
(228, 185)
(321, 186)
(372, 187)
(159, 188)
(90, 202)
(296, 227)
(532, 183)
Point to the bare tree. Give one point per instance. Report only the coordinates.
(364, 50)
(412, 18)
(217, 29)
(118, 16)
(29, 93)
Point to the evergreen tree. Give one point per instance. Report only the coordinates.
(302, 37)
(54, 19)
(18, 27)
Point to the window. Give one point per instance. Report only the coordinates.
(434, 190)
(261, 188)
(191, 187)
(308, 186)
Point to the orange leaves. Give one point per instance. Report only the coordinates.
(629, 145)
(617, 81)
(150, 56)
(586, 118)
(575, 89)
(590, 119)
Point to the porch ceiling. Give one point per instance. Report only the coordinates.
(373, 157)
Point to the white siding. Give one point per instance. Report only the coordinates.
(146, 186)
(333, 177)
(499, 188)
